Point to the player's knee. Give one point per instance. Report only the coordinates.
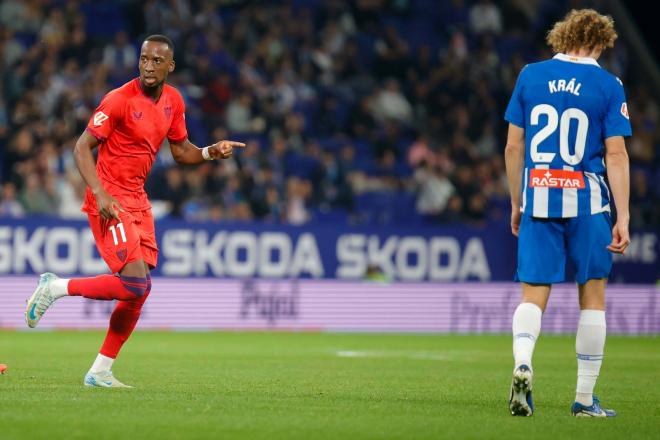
(137, 286)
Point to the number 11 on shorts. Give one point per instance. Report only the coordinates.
(114, 228)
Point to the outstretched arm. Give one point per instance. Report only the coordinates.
(514, 157)
(188, 153)
(107, 206)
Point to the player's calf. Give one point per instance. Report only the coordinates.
(109, 287)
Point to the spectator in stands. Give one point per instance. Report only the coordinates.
(35, 198)
(485, 17)
(9, 206)
(390, 103)
(77, 46)
(18, 153)
(174, 190)
(240, 118)
(433, 189)
(216, 212)
(454, 212)
(486, 145)
(70, 191)
(420, 152)
(53, 31)
(391, 55)
(18, 15)
(361, 122)
(275, 206)
(298, 194)
(232, 195)
(476, 209)
(120, 56)
(12, 50)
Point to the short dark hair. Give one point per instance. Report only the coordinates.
(161, 39)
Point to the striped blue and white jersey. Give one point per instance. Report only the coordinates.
(568, 106)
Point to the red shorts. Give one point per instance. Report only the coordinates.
(132, 239)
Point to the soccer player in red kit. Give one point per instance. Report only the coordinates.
(128, 127)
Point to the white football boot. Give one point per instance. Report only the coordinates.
(41, 300)
(103, 379)
(520, 402)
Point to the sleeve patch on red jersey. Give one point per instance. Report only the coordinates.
(99, 118)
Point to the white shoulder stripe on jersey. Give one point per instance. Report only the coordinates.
(569, 199)
(607, 192)
(540, 202)
(524, 192)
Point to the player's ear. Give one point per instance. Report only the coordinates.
(170, 68)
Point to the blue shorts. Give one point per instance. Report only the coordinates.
(544, 245)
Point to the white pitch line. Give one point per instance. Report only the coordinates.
(422, 355)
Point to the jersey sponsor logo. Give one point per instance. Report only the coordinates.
(99, 118)
(624, 110)
(545, 178)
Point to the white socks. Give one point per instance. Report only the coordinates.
(102, 363)
(60, 287)
(589, 346)
(526, 328)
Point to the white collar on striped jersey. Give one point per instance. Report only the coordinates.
(574, 59)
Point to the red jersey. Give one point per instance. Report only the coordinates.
(131, 127)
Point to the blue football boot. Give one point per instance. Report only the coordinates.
(595, 410)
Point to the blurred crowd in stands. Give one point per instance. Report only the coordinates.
(366, 111)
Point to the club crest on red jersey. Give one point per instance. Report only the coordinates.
(137, 116)
(122, 254)
(168, 111)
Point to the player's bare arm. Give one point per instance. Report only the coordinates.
(514, 156)
(618, 174)
(188, 153)
(107, 205)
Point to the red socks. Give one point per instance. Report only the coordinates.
(122, 322)
(131, 292)
(108, 287)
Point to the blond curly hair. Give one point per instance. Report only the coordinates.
(583, 28)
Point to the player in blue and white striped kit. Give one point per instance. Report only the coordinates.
(567, 122)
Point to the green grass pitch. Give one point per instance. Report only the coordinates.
(315, 386)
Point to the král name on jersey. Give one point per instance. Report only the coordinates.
(547, 178)
(561, 85)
